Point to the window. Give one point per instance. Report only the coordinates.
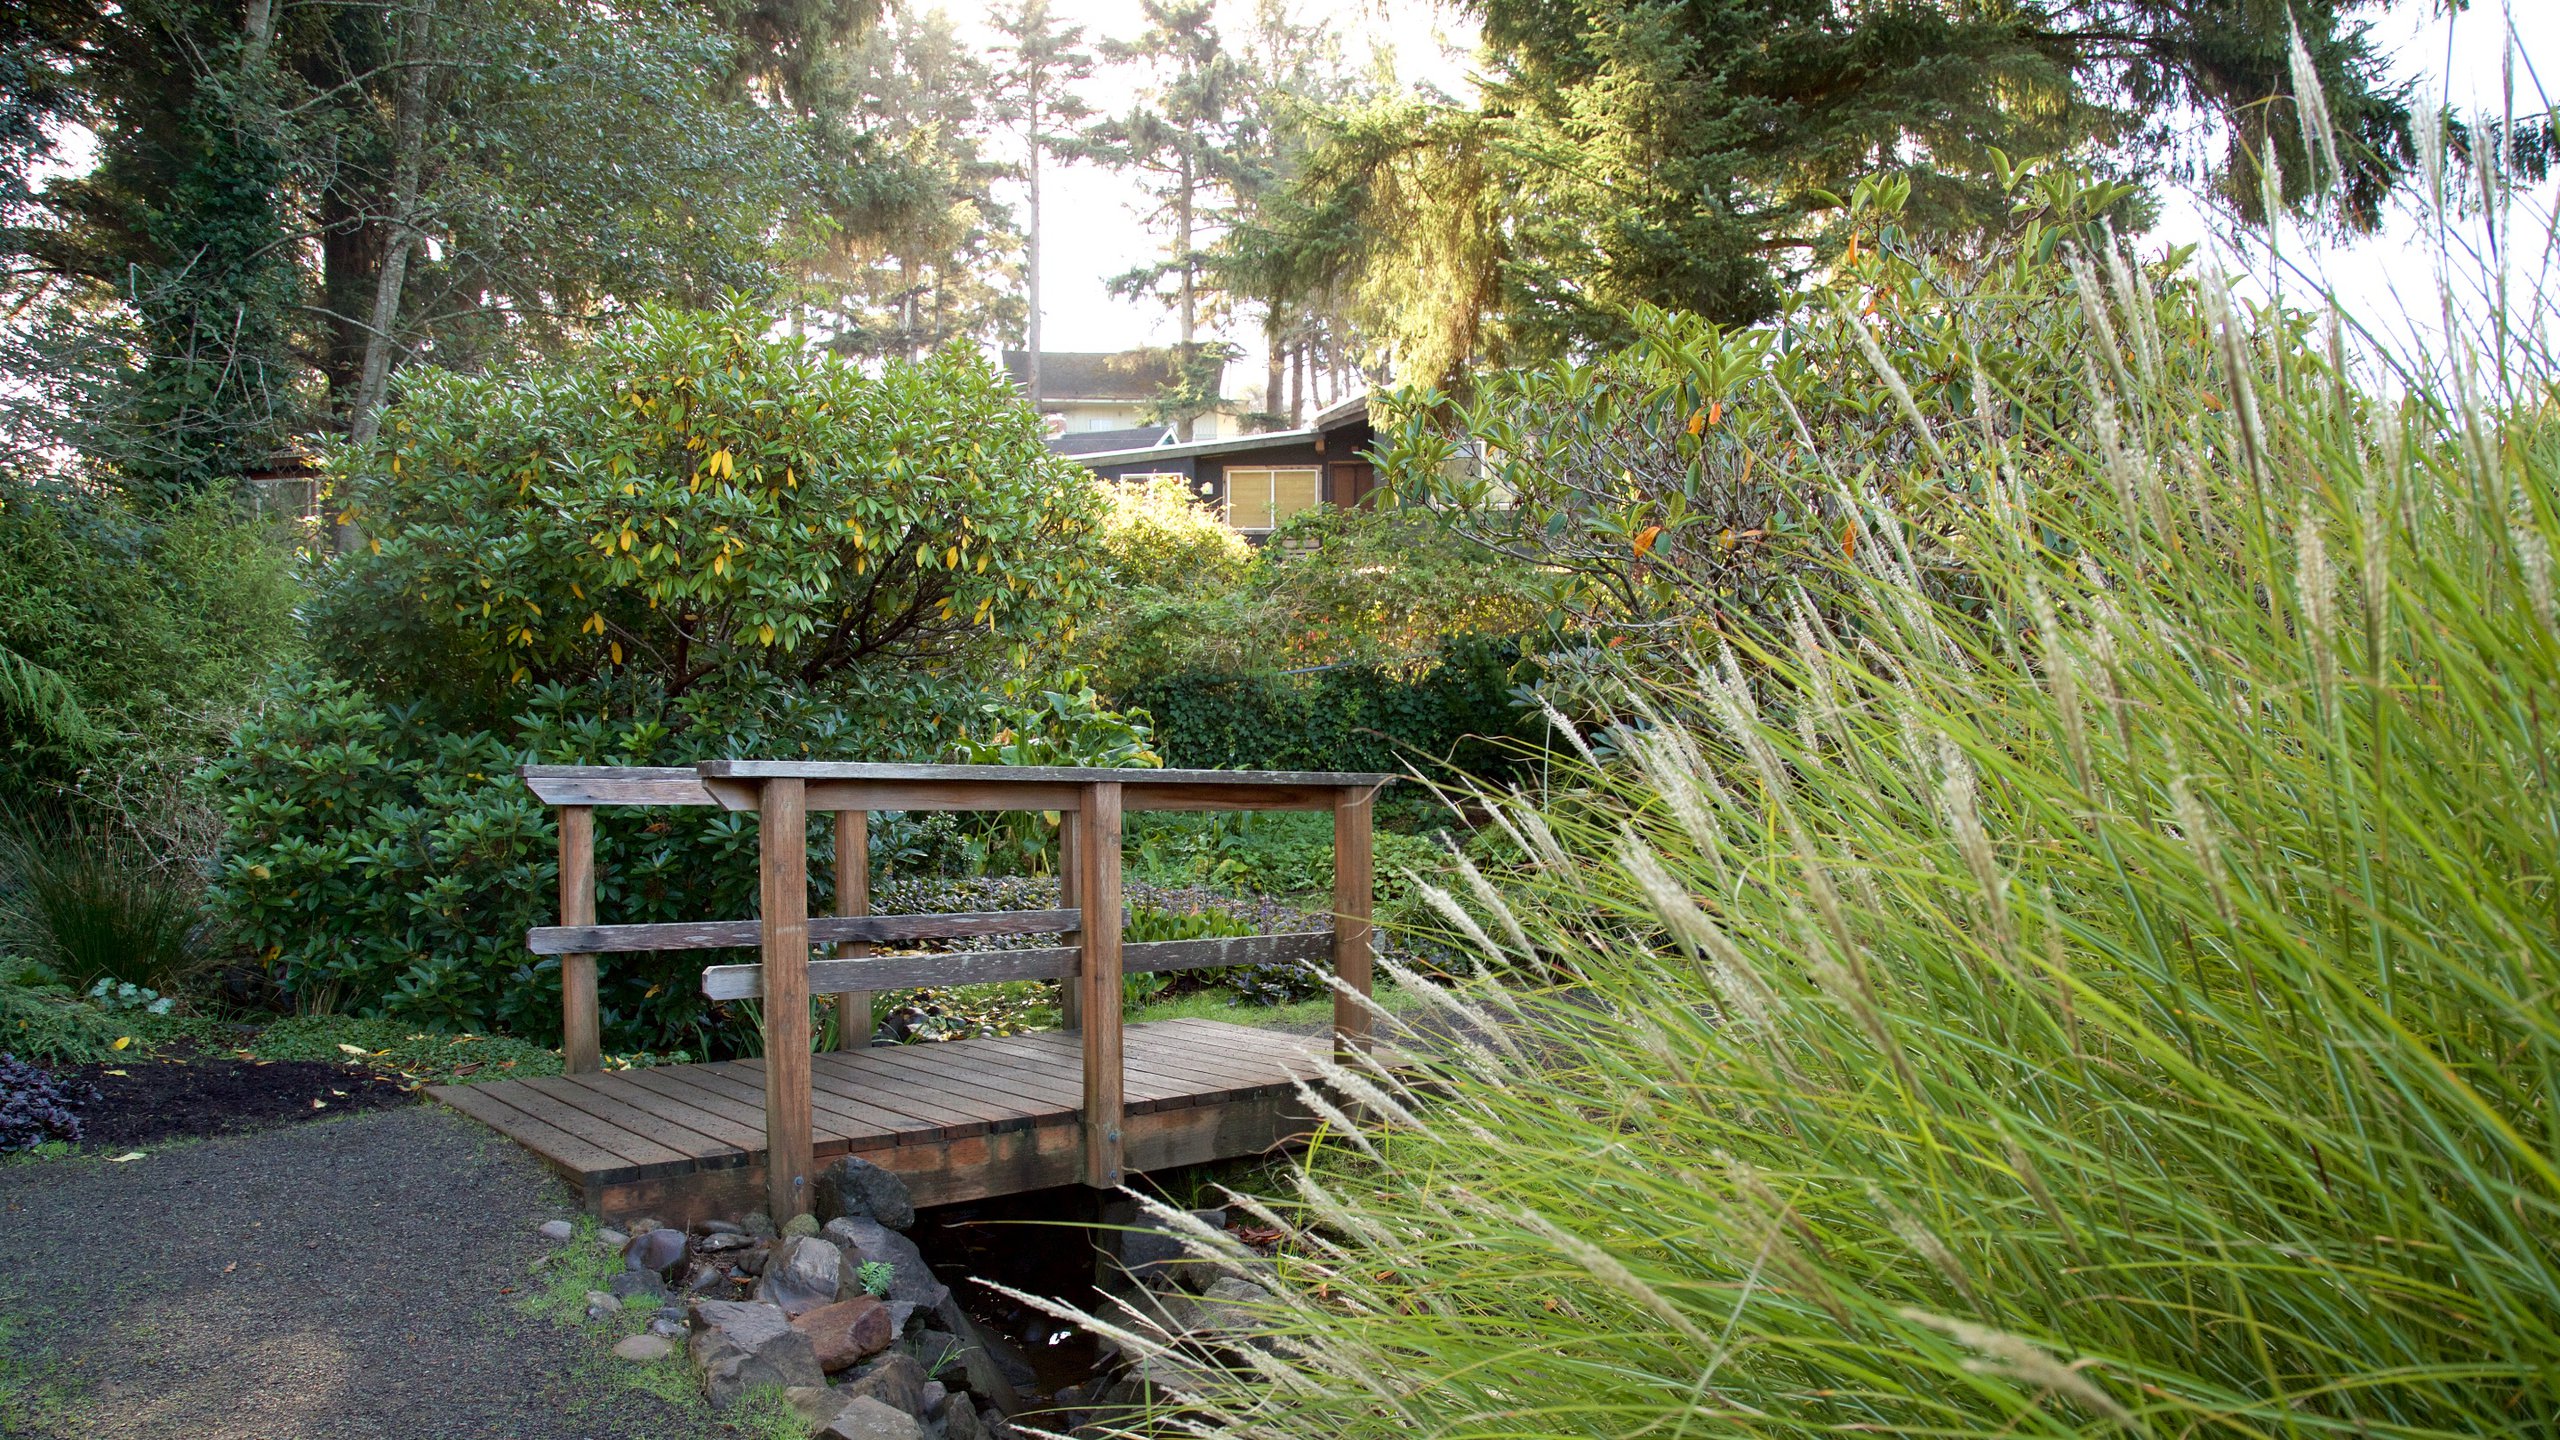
(1264, 499)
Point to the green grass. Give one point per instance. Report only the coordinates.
(1219, 1005)
(416, 1054)
(2088, 972)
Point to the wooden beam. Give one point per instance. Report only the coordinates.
(1353, 884)
(615, 785)
(1098, 983)
(1070, 886)
(853, 898)
(782, 847)
(581, 1048)
(1052, 962)
(824, 930)
(816, 770)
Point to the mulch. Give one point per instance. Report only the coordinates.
(184, 1093)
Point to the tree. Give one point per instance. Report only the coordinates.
(1182, 142)
(1688, 153)
(1033, 92)
(920, 260)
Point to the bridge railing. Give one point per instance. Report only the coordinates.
(1091, 960)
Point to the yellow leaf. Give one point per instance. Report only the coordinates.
(1645, 539)
(351, 1049)
(766, 631)
(1697, 421)
(374, 545)
(617, 652)
(122, 1041)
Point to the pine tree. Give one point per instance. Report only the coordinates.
(1033, 92)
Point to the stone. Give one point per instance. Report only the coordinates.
(718, 1227)
(900, 1312)
(612, 1239)
(704, 1278)
(868, 1419)
(930, 1399)
(856, 1188)
(1167, 1377)
(800, 1225)
(645, 1347)
(558, 1232)
(722, 1241)
(637, 1285)
(959, 1422)
(669, 1329)
(660, 1251)
(911, 1281)
(814, 1404)
(977, 1370)
(752, 1261)
(1152, 1250)
(600, 1302)
(895, 1380)
(740, 1345)
(758, 1225)
(846, 1332)
(803, 1273)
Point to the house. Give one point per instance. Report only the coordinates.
(1256, 482)
(1105, 394)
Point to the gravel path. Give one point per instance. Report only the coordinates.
(340, 1280)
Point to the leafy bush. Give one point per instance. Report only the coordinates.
(1460, 715)
(90, 909)
(49, 1023)
(1157, 537)
(689, 505)
(129, 642)
(2115, 1000)
(35, 1109)
(685, 542)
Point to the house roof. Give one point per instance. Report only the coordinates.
(1331, 418)
(1096, 374)
(1090, 442)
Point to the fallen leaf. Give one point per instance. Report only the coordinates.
(122, 1041)
(318, 1104)
(121, 1159)
(351, 1049)
(234, 1265)
(341, 1094)
(127, 1074)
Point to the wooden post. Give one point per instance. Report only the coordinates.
(1070, 885)
(853, 897)
(581, 1052)
(1352, 882)
(782, 844)
(1098, 981)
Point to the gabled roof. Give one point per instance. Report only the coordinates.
(1092, 442)
(1096, 374)
(1331, 418)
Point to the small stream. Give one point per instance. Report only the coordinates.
(1036, 1243)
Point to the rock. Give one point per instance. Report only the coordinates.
(931, 1397)
(911, 1281)
(801, 1225)
(742, 1345)
(868, 1419)
(980, 1372)
(752, 1261)
(900, 1312)
(959, 1422)
(758, 1225)
(814, 1404)
(637, 1285)
(602, 1303)
(704, 1278)
(642, 1226)
(1227, 1305)
(803, 1273)
(856, 1188)
(558, 1232)
(669, 1329)
(895, 1380)
(1166, 1377)
(660, 1251)
(645, 1347)
(718, 1227)
(846, 1332)
(721, 1241)
(1153, 1251)
(612, 1239)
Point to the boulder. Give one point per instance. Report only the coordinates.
(799, 1225)
(1230, 1305)
(856, 1188)
(739, 1346)
(846, 1332)
(977, 1369)
(895, 1380)
(661, 1252)
(802, 1274)
(645, 1347)
(814, 1404)
(868, 1419)
(911, 1280)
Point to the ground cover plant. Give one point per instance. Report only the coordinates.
(2094, 977)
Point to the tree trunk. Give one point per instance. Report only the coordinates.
(1298, 380)
(1031, 270)
(1190, 302)
(409, 142)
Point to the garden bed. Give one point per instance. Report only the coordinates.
(186, 1094)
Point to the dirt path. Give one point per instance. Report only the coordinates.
(344, 1280)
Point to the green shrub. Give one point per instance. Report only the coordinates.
(88, 909)
(2117, 998)
(48, 1023)
(1461, 715)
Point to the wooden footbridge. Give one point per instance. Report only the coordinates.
(958, 1120)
